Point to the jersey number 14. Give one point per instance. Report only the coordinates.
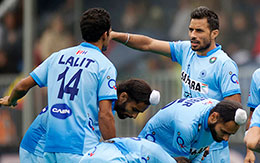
(73, 91)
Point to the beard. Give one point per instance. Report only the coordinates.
(120, 109)
(202, 48)
(214, 133)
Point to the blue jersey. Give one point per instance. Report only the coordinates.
(181, 127)
(255, 121)
(254, 94)
(77, 79)
(34, 138)
(212, 76)
(129, 150)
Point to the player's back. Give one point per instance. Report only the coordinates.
(77, 79)
(181, 120)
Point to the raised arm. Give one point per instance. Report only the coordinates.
(143, 43)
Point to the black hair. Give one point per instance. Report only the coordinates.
(136, 89)
(204, 12)
(227, 110)
(94, 23)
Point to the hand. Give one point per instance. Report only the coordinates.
(250, 156)
(6, 102)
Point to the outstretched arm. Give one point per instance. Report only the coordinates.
(143, 43)
(20, 90)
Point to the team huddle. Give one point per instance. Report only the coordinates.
(78, 124)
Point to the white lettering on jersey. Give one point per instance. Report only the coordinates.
(62, 111)
(193, 84)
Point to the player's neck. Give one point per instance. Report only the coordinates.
(98, 44)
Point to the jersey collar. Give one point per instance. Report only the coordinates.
(85, 44)
(218, 47)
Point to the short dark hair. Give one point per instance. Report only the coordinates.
(227, 110)
(136, 89)
(94, 22)
(204, 12)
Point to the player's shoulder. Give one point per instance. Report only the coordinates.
(257, 72)
(181, 44)
(256, 75)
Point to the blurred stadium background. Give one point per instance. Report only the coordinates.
(30, 30)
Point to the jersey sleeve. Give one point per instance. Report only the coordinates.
(178, 50)
(107, 84)
(182, 139)
(254, 93)
(40, 73)
(229, 82)
(255, 121)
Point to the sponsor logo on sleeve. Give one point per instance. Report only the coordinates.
(180, 140)
(150, 137)
(234, 78)
(61, 111)
(112, 84)
(90, 124)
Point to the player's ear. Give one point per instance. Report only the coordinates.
(214, 117)
(123, 97)
(214, 34)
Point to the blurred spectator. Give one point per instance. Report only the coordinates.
(134, 14)
(3, 62)
(256, 48)
(54, 38)
(181, 20)
(12, 37)
(239, 39)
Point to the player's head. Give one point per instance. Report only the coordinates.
(225, 119)
(95, 25)
(134, 96)
(203, 28)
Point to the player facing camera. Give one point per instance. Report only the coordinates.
(134, 97)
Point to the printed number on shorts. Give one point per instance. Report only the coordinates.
(73, 91)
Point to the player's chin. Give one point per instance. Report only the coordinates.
(195, 48)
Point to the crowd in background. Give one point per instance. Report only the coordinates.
(168, 20)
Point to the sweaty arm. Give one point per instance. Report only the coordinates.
(106, 120)
(20, 90)
(235, 97)
(143, 43)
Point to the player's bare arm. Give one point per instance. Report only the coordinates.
(250, 156)
(20, 90)
(143, 43)
(106, 120)
(235, 97)
(252, 139)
